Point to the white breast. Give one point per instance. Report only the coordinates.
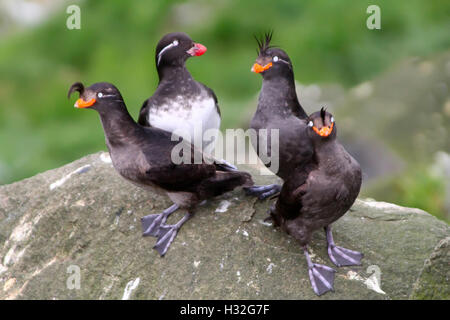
(188, 117)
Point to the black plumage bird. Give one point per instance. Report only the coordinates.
(143, 156)
(317, 194)
(279, 109)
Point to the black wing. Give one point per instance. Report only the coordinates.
(184, 177)
(289, 203)
(163, 172)
(212, 94)
(143, 114)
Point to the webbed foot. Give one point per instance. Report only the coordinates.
(263, 192)
(320, 276)
(167, 234)
(341, 256)
(151, 223)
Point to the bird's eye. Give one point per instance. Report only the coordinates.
(175, 42)
(275, 59)
(310, 124)
(99, 94)
(332, 119)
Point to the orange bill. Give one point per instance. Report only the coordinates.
(257, 68)
(84, 104)
(324, 131)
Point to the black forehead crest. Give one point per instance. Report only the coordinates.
(264, 42)
(323, 111)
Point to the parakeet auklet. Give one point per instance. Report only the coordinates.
(317, 194)
(279, 109)
(143, 156)
(179, 102)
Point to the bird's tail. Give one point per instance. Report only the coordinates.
(224, 181)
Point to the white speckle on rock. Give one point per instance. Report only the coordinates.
(79, 203)
(3, 268)
(9, 283)
(264, 223)
(11, 256)
(162, 296)
(223, 206)
(270, 267)
(105, 157)
(21, 232)
(196, 264)
(132, 285)
(352, 275)
(238, 273)
(244, 232)
(61, 181)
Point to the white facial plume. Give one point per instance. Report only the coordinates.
(169, 46)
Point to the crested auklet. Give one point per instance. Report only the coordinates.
(180, 102)
(317, 194)
(279, 109)
(143, 156)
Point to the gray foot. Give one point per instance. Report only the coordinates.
(263, 192)
(320, 276)
(151, 223)
(341, 256)
(167, 234)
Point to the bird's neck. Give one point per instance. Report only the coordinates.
(326, 152)
(118, 125)
(170, 73)
(278, 95)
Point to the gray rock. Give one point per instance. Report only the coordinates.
(433, 282)
(84, 215)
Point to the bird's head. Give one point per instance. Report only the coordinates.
(271, 61)
(99, 96)
(175, 48)
(321, 125)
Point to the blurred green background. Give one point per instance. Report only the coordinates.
(389, 88)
